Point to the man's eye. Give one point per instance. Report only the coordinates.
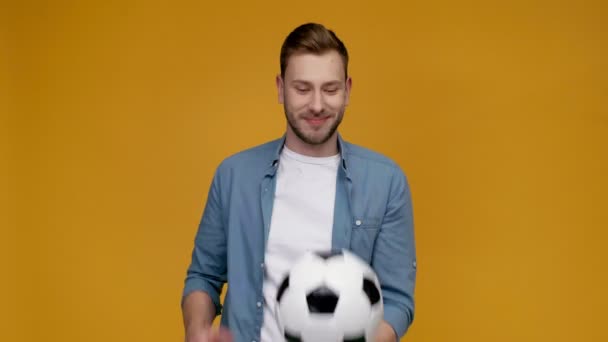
(302, 90)
(331, 90)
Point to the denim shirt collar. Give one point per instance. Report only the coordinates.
(342, 149)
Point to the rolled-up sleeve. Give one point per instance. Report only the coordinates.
(207, 270)
(394, 257)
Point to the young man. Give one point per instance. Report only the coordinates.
(309, 190)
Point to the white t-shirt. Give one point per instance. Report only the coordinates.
(302, 220)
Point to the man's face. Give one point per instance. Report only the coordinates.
(315, 93)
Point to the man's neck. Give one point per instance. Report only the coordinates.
(327, 149)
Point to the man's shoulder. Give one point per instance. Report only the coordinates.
(257, 155)
(360, 154)
(365, 164)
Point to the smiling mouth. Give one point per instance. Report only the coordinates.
(316, 121)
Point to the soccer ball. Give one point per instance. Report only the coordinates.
(331, 297)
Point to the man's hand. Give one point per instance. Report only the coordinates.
(211, 334)
(385, 333)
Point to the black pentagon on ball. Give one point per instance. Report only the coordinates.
(291, 337)
(371, 290)
(322, 300)
(329, 254)
(282, 288)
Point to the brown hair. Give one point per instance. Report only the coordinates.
(312, 38)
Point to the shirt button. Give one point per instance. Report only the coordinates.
(358, 222)
(262, 265)
(259, 304)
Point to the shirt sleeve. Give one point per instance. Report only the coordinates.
(394, 258)
(207, 270)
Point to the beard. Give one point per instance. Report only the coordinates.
(314, 137)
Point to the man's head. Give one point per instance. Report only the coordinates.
(315, 39)
(314, 86)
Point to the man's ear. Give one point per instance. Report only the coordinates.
(280, 89)
(349, 85)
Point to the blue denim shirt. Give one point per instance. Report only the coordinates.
(372, 218)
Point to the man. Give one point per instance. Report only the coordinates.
(309, 190)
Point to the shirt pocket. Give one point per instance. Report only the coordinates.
(363, 237)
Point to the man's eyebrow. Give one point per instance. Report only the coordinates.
(301, 82)
(330, 83)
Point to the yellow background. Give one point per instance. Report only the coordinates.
(115, 114)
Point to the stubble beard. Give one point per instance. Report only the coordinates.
(312, 139)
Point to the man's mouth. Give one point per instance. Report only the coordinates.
(316, 121)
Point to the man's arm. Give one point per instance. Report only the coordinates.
(207, 272)
(385, 333)
(394, 258)
(198, 311)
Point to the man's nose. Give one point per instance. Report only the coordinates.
(316, 103)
